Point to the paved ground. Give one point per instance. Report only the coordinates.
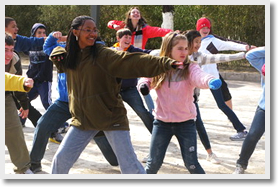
(245, 97)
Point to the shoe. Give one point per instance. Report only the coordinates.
(63, 130)
(28, 171)
(56, 138)
(240, 136)
(213, 158)
(239, 169)
(35, 168)
(145, 159)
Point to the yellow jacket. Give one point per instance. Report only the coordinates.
(15, 83)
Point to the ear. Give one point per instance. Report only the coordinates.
(75, 32)
(118, 38)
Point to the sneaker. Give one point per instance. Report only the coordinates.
(56, 138)
(240, 136)
(63, 130)
(145, 159)
(28, 171)
(213, 158)
(35, 168)
(239, 169)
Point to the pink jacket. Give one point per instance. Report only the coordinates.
(174, 103)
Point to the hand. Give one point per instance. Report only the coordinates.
(249, 47)
(23, 113)
(28, 82)
(178, 65)
(144, 89)
(59, 57)
(215, 84)
(57, 34)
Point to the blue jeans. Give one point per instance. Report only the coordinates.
(132, 97)
(161, 137)
(55, 116)
(149, 101)
(44, 91)
(217, 94)
(201, 129)
(256, 131)
(76, 140)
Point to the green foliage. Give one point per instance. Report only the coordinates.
(25, 16)
(238, 22)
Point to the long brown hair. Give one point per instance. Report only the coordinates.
(169, 41)
(142, 21)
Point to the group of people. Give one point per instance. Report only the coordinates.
(185, 63)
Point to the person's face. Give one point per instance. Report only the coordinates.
(12, 29)
(135, 14)
(204, 31)
(40, 33)
(196, 44)
(9, 49)
(87, 35)
(180, 51)
(125, 41)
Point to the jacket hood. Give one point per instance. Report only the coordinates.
(35, 27)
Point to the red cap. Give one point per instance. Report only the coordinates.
(202, 22)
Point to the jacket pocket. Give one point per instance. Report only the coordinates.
(96, 111)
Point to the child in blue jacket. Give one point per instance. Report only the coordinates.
(256, 58)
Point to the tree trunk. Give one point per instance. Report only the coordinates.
(168, 17)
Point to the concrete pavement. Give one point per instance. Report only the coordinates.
(245, 98)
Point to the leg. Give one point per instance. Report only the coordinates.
(106, 149)
(186, 135)
(70, 149)
(256, 131)
(55, 116)
(122, 147)
(161, 138)
(14, 137)
(149, 101)
(34, 115)
(217, 94)
(226, 93)
(45, 94)
(132, 97)
(201, 129)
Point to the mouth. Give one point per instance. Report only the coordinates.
(92, 39)
(7, 60)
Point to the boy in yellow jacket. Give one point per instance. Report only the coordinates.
(14, 136)
(17, 83)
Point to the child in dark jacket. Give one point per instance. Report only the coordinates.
(40, 69)
(129, 91)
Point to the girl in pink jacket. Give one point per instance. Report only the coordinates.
(175, 112)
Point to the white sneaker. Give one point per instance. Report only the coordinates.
(239, 169)
(213, 158)
(28, 171)
(240, 136)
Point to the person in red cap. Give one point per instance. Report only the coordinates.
(212, 44)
